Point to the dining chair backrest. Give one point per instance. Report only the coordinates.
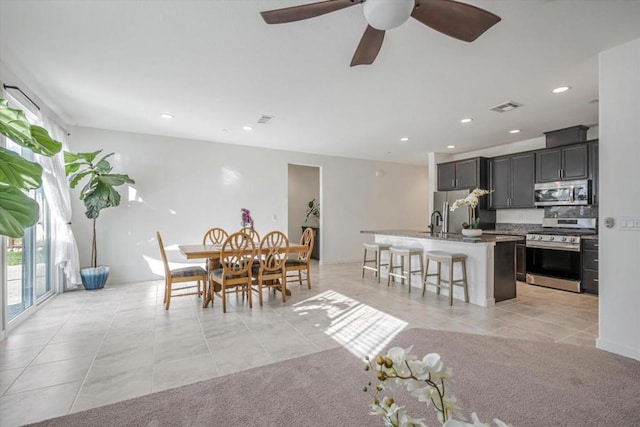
(215, 236)
(167, 270)
(273, 251)
(252, 233)
(306, 240)
(238, 252)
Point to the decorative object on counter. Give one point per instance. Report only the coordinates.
(246, 220)
(99, 193)
(313, 211)
(471, 202)
(426, 379)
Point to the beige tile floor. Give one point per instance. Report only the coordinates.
(87, 349)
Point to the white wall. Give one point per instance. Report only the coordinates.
(184, 187)
(304, 185)
(619, 180)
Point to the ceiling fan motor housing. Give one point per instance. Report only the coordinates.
(387, 14)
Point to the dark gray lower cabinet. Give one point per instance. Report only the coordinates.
(590, 266)
(521, 261)
(504, 271)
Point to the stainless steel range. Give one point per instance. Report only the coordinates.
(553, 253)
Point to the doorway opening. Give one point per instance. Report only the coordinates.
(304, 204)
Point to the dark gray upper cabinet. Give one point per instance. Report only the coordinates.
(463, 174)
(446, 176)
(562, 163)
(593, 170)
(511, 179)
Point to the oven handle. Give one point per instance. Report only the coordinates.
(554, 246)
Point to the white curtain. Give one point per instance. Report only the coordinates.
(56, 190)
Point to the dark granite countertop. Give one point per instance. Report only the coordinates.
(417, 234)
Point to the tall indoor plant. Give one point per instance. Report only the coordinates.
(98, 193)
(19, 175)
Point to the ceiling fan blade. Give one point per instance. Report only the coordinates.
(369, 46)
(305, 11)
(458, 20)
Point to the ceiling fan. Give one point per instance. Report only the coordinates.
(459, 20)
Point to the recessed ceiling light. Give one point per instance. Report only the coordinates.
(514, 131)
(247, 128)
(561, 89)
(466, 120)
(405, 139)
(166, 116)
(451, 146)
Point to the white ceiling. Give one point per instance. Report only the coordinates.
(216, 66)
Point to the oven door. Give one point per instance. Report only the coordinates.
(557, 268)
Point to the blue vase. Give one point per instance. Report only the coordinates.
(94, 278)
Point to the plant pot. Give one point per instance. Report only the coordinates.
(94, 278)
(472, 232)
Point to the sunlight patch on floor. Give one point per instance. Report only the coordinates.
(361, 329)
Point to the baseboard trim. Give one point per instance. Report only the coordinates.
(622, 350)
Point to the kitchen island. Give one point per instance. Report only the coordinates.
(490, 261)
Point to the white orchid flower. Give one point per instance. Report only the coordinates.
(433, 362)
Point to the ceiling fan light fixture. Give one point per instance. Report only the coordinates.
(387, 14)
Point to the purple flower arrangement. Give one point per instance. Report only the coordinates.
(246, 220)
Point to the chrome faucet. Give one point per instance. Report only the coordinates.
(438, 218)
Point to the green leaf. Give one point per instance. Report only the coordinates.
(115, 180)
(15, 126)
(74, 157)
(18, 172)
(103, 167)
(75, 179)
(17, 211)
(71, 168)
(98, 197)
(48, 146)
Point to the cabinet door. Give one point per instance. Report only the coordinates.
(446, 176)
(548, 165)
(467, 174)
(522, 180)
(521, 262)
(500, 182)
(574, 162)
(593, 171)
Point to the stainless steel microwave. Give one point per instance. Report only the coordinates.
(563, 193)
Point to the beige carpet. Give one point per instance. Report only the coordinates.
(524, 383)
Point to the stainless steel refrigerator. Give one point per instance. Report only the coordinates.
(455, 218)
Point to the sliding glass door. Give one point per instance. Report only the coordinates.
(28, 259)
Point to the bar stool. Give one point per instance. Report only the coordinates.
(377, 248)
(403, 252)
(441, 257)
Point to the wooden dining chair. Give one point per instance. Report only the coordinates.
(214, 236)
(303, 262)
(180, 275)
(270, 272)
(255, 236)
(236, 258)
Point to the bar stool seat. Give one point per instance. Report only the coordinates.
(404, 252)
(442, 257)
(377, 249)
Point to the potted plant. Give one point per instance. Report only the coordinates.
(313, 211)
(472, 228)
(98, 193)
(19, 175)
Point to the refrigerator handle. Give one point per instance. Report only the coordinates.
(445, 217)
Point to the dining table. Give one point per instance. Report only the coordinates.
(214, 252)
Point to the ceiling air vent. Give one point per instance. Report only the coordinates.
(507, 106)
(263, 120)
